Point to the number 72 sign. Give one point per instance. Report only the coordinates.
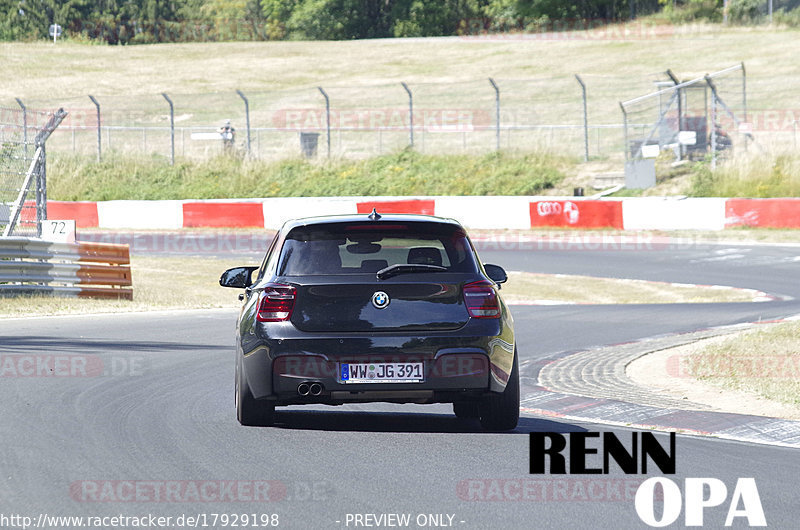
(59, 231)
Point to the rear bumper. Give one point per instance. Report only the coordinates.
(454, 368)
(447, 371)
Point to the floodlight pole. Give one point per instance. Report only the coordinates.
(410, 115)
(327, 117)
(171, 128)
(247, 116)
(497, 112)
(97, 105)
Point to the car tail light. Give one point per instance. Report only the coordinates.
(276, 303)
(481, 300)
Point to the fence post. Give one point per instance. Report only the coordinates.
(171, 128)
(625, 147)
(585, 120)
(24, 126)
(713, 122)
(96, 104)
(41, 193)
(676, 82)
(497, 112)
(744, 100)
(410, 115)
(327, 118)
(247, 117)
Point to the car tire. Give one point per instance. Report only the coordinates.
(500, 412)
(249, 410)
(467, 410)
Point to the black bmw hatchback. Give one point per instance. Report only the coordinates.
(392, 308)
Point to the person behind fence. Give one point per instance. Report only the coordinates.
(228, 134)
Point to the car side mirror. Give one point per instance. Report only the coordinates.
(496, 273)
(237, 277)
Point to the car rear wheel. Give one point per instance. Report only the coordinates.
(249, 410)
(467, 410)
(500, 412)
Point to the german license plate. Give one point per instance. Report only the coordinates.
(380, 372)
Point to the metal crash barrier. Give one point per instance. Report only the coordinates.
(93, 270)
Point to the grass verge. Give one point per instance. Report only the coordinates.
(765, 362)
(757, 176)
(73, 178)
(192, 283)
(158, 283)
(525, 286)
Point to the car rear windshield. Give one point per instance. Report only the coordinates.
(356, 248)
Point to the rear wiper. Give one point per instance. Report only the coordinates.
(402, 268)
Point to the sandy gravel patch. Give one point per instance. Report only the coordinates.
(661, 372)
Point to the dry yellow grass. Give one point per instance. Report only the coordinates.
(764, 362)
(524, 287)
(192, 283)
(614, 70)
(158, 283)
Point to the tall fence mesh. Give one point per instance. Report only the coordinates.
(356, 121)
(467, 116)
(23, 191)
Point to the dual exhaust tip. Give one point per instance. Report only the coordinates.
(310, 389)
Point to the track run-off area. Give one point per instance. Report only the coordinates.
(145, 423)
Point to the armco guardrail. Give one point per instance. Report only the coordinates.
(94, 270)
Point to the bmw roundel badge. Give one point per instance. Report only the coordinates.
(380, 299)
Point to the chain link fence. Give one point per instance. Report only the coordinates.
(573, 115)
(477, 116)
(23, 184)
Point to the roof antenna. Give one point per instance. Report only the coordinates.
(374, 216)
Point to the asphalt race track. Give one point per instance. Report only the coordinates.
(146, 419)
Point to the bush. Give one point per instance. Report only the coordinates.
(745, 11)
(787, 18)
(693, 11)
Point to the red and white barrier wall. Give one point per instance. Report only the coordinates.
(635, 213)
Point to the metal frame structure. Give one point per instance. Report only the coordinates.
(33, 173)
(665, 129)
